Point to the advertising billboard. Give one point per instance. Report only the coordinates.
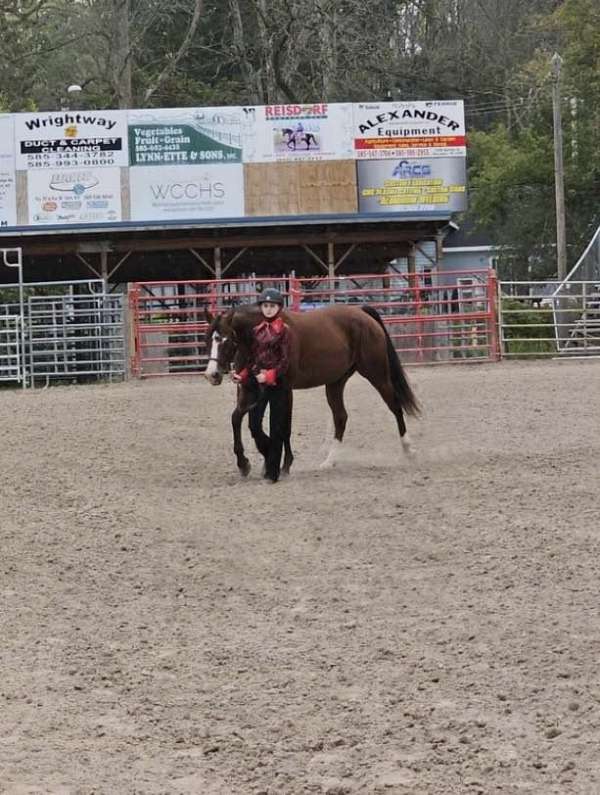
(300, 133)
(75, 167)
(169, 137)
(186, 192)
(409, 129)
(74, 196)
(71, 139)
(411, 185)
(8, 197)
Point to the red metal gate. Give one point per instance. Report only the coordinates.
(432, 317)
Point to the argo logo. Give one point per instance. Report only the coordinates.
(405, 170)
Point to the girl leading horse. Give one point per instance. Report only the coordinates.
(326, 347)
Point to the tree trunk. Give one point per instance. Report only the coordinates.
(121, 56)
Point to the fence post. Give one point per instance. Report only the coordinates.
(494, 310)
(295, 294)
(413, 280)
(212, 303)
(134, 331)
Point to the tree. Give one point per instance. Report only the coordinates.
(511, 175)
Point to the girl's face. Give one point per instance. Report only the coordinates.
(269, 309)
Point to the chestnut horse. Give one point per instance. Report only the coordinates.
(327, 346)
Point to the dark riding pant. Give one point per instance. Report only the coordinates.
(271, 447)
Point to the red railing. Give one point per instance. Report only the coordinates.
(436, 317)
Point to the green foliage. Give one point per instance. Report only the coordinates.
(511, 183)
(512, 168)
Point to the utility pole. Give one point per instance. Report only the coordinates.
(559, 174)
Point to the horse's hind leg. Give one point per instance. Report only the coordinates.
(335, 398)
(379, 378)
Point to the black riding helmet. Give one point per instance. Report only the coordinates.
(271, 296)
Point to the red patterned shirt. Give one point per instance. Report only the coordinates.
(271, 348)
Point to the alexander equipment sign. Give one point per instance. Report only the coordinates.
(409, 129)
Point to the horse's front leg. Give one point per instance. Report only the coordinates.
(246, 401)
(238, 447)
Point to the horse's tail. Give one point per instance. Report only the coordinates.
(404, 393)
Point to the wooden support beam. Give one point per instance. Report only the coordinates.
(88, 265)
(201, 259)
(123, 259)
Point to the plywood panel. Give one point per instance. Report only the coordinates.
(22, 208)
(317, 188)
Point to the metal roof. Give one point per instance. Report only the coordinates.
(220, 223)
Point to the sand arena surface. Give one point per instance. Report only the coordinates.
(394, 626)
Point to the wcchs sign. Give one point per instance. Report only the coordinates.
(83, 167)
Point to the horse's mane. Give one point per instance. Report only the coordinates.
(243, 318)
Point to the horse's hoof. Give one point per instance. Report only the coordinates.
(245, 469)
(327, 464)
(407, 447)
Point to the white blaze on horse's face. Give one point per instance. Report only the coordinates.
(212, 369)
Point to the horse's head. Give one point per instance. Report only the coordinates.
(222, 342)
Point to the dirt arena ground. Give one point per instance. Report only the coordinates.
(390, 626)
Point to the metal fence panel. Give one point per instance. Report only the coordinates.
(576, 303)
(431, 317)
(10, 348)
(536, 321)
(75, 335)
(67, 330)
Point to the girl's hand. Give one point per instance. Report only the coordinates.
(261, 377)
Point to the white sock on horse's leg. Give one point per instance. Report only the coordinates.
(407, 445)
(332, 456)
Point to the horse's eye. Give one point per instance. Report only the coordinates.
(216, 336)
